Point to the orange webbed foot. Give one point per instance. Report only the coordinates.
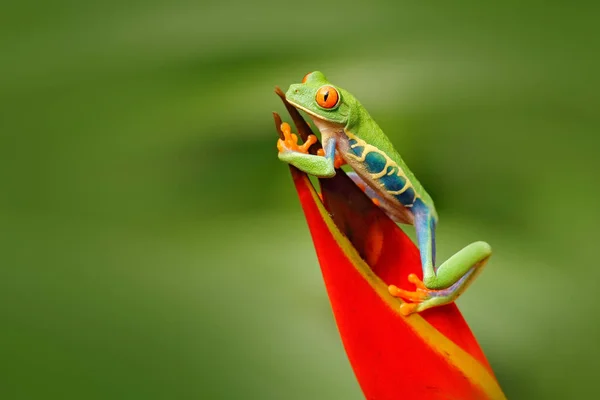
(290, 141)
(420, 295)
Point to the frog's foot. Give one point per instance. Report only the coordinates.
(423, 297)
(289, 143)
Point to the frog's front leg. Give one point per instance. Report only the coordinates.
(322, 165)
(442, 285)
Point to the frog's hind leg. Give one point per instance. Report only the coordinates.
(358, 181)
(441, 285)
(378, 200)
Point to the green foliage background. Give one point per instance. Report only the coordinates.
(152, 244)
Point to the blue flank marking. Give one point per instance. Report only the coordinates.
(407, 197)
(375, 162)
(358, 150)
(393, 182)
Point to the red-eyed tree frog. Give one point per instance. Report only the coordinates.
(351, 136)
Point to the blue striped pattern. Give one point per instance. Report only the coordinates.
(392, 180)
(375, 162)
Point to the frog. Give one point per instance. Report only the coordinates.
(350, 136)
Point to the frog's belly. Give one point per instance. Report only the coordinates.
(383, 175)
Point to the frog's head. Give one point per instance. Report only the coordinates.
(323, 101)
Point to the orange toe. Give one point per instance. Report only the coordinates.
(414, 279)
(418, 295)
(339, 161)
(310, 140)
(393, 289)
(408, 308)
(290, 141)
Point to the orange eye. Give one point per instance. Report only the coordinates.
(306, 77)
(327, 97)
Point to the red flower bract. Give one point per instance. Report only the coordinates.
(431, 355)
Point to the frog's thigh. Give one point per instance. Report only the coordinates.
(401, 215)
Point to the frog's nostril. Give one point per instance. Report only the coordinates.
(296, 91)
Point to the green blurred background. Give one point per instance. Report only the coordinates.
(152, 244)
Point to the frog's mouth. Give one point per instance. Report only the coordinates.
(325, 126)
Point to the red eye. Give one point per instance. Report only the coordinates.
(327, 97)
(306, 77)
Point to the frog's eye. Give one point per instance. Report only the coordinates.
(306, 77)
(327, 96)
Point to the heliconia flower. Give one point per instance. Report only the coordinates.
(429, 355)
